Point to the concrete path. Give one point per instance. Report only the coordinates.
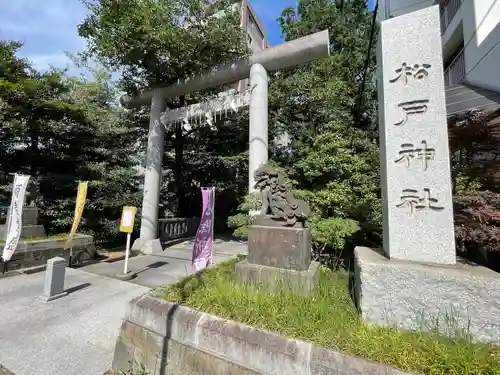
(166, 267)
(76, 334)
(73, 335)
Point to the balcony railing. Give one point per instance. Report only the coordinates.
(448, 10)
(455, 71)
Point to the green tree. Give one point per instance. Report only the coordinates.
(155, 43)
(102, 144)
(60, 130)
(333, 157)
(32, 114)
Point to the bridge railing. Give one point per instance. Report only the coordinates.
(175, 228)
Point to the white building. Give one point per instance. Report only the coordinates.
(255, 31)
(471, 48)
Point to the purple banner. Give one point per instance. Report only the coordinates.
(203, 244)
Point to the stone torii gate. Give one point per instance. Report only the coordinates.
(296, 52)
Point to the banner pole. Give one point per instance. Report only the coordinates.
(127, 254)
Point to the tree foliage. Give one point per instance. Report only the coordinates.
(474, 147)
(60, 130)
(156, 43)
(333, 156)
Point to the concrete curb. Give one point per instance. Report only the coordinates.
(205, 342)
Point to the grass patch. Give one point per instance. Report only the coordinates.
(52, 237)
(328, 318)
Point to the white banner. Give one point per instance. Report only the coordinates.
(15, 222)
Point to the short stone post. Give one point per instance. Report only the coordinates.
(54, 279)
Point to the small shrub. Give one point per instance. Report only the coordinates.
(477, 223)
(329, 237)
(241, 222)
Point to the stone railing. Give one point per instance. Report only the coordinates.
(175, 228)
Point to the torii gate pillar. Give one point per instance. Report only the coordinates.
(258, 127)
(149, 241)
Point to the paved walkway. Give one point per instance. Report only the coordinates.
(166, 267)
(76, 334)
(73, 335)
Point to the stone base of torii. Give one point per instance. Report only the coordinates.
(255, 67)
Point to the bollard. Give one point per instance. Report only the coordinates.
(54, 279)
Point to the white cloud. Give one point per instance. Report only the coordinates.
(41, 62)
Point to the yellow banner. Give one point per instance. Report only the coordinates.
(80, 203)
(128, 217)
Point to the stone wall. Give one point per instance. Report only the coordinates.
(35, 253)
(172, 339)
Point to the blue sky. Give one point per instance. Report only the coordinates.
(48, 27)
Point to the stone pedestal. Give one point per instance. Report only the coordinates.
(147, 246)
(461, 298)
(30, 215)
(279, 256)
(30, 227)
(280, 247)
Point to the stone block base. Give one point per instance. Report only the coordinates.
(280, 247)
(30, 215)
(27, 231)
(300, 282)
(147, 247)
(463, 298)
(36, 253)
